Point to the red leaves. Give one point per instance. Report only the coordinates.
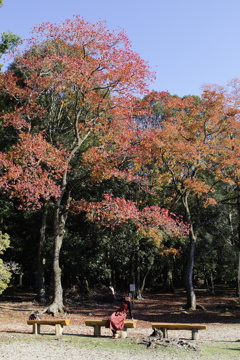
(109, 212)
(31, 170)
(74, 79)
(89, 55)
(152, 222)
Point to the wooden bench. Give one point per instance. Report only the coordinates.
(164, 327)
(97, 324)
(58, 323)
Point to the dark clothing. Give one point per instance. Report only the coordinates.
(118, 317)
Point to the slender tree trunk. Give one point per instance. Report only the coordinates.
(168, 284)
(191, 297)
(137, 273)
(212, 283)
(238, 211)
(145, 276)
(237, 243)
(238, 281)
(132, 269)
(41, 259)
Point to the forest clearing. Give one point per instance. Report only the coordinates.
(108, 184)
(221, 339)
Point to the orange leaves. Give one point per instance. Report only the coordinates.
(170, 252)
(197, 186)
(193, 139)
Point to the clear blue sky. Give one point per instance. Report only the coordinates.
(188, 43)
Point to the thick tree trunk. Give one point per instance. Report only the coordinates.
(59, 229)
(41, 259)
(60, 217)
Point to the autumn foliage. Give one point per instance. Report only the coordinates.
(151, 222)
(72, 113)
(73, 81)
(31, 170)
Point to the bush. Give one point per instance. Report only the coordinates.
(5, 274)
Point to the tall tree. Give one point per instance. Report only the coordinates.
(73, 83)
(183, 153)
(229, 171)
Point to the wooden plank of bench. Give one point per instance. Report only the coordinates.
(164, 327)
(98, 323)
(58, 323)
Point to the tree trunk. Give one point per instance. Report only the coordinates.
(238, 211)
(60, 218)
(212, 283)
(41, 259)
(137, 273)
(59, 229)
(145, 276)
(191, 297)
(168, 284)
(238, 281)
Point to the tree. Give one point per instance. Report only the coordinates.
(73, 83)
(150, 223)
(8, 42)
(5, 274)
(229, 171)
(183, 154)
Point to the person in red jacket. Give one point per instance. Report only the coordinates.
(117, 318)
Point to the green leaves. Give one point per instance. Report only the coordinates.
(5, 274)
(8, 41)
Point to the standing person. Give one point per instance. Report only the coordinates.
(117, 318)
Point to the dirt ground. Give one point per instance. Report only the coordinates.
(220, 313)
(223, 308)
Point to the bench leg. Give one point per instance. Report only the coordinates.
(123, 334)
(195, 334)
(58, 329)
(165, 333)
(97, 331)
(36, 329)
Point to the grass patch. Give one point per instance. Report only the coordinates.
(221, 350)
(206, 350)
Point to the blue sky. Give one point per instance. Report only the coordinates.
(188, 43)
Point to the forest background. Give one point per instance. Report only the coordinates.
(105, 182)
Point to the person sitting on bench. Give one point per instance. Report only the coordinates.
(116, 321)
